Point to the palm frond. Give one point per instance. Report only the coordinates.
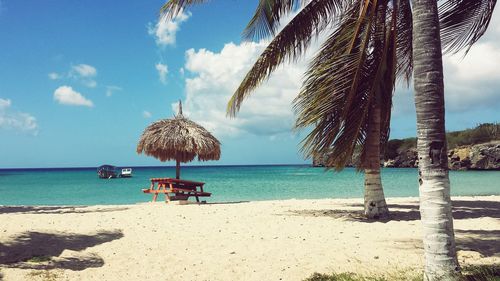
(404, 39)
(389, 78)
(289, 44)
(173, 7)
(463, 22)
(328, 85)
(364, 45)
(266, 18)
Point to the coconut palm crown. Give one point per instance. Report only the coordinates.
(349, 73)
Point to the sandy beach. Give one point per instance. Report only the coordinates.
(266, 240)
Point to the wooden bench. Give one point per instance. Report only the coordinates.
(176, 189)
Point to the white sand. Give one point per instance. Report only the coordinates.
(269, 240)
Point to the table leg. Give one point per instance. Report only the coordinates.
(167, 196)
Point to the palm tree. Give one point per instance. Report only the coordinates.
(472, 18)
(347, 96)
(352, 79)
(364, 45)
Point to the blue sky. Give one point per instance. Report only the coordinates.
(80, 80)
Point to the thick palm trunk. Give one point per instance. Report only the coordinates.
(375, 206)
(435, 204)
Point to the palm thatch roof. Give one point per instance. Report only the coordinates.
(178, 139)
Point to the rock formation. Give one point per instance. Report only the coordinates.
(484, 156)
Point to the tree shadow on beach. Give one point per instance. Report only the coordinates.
(226, 203)
(57, 209)
(44, 249)
(408, 212)
(486, 242)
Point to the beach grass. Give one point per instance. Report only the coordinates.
(43, 275)
(469, 273)
(39, 259)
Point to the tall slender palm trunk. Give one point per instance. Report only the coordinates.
(375, 206)
(435, 204)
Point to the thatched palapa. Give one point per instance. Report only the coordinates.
(178, 139)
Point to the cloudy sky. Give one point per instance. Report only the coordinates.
(80, 80)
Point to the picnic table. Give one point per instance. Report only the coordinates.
(176, 189)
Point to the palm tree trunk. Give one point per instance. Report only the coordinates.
(435, 204)
(375, 206)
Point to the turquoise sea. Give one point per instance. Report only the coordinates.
(81, 186)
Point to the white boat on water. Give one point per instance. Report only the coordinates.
(126, 173)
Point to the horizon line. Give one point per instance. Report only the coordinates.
(154, 166)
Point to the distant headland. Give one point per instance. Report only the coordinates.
(471, 149)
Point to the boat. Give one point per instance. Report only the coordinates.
(107, 172)
(126, 173)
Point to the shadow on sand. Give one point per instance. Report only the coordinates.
(226, 203)
(483, 241)
(409, 212)
(56, 209)
(42, 247)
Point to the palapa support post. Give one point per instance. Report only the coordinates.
(180, 108)
(177, 162)
(177, 169)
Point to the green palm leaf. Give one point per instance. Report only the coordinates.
(289, 44)
(463, 22)
(266, 18)
(173, 7)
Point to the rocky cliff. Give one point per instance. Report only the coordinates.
(485, 156)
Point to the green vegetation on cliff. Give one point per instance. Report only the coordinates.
(482, 133)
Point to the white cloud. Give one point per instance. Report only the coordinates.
(268, 111)
(5, 104)
(14, 120)
(67, 96)
(112, 89)
(85, 74)
(84, 70)
(82, 73)
(165, 30)
(213, 77)
(89, 83)
(146, 114)
(54, 76)
(162, 72)
(473, 81)
(480, 64)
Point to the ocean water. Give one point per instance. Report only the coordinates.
(226, 183)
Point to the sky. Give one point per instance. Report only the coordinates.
(81, 80)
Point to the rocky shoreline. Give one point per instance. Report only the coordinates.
(484, 156)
